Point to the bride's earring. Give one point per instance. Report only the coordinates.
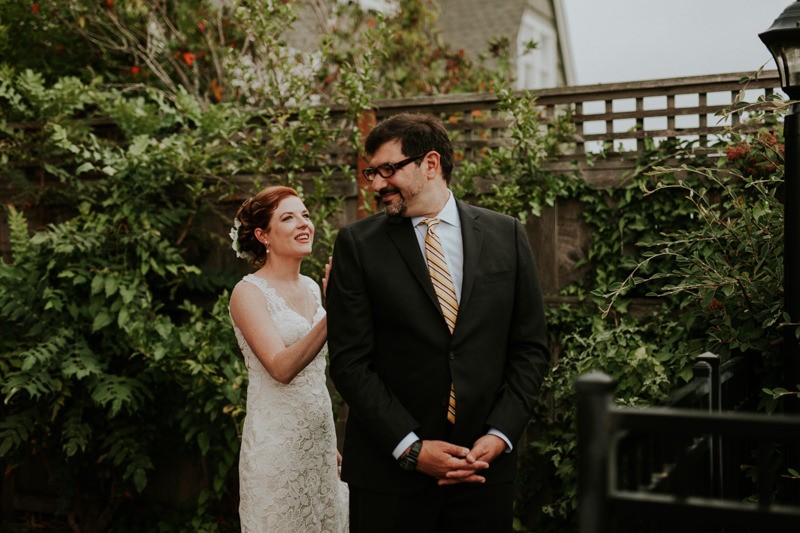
(266, 247)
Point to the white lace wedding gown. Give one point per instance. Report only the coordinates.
(288, 478)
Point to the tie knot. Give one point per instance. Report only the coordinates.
(431, 223)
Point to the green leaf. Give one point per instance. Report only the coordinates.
(203, 442)
(15, 430)
(123, 317)
(98, 284)
(127, 293)
(76, 434)
(81, 365)
(101, 320)
(728, 290)
(110, 285)
(140, 479)
(164, 329)
(118, 392)
(86, 167)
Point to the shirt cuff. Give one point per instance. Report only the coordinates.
(409, 439)
(498, 433)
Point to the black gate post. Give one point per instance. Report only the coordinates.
(595, 396)
(710, 363)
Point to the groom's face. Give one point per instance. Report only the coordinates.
(399, 192)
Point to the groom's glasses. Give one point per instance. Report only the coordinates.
(387, 170)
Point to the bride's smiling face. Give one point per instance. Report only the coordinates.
(290, 230)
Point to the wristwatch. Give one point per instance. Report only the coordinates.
(409, 462)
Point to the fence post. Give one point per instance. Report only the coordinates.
(711, 362)
(715, 386)
(366, 121)
(595, 396)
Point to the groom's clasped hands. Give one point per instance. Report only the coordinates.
(451, 464)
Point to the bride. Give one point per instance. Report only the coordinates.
(288, 463)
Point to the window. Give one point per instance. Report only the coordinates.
(536, 68)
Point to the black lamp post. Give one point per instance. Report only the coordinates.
(783, 41)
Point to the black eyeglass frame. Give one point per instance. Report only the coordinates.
(369, 172)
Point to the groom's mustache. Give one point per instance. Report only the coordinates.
(388, 190)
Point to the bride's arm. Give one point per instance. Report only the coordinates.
(283, 363)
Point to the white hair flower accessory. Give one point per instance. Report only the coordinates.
(234, 235)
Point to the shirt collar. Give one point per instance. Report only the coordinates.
(448, 214)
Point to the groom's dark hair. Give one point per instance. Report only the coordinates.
(418, 134)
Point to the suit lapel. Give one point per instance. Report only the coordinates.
(402, 235)
(472, 236)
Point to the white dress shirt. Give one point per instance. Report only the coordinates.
(449, 232)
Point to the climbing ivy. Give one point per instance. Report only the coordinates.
(684, 258)
(127, 142)
(127, 163)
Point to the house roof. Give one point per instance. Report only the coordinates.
(472, 24)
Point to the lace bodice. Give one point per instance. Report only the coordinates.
(287, 465)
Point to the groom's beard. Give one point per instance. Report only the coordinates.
(395, 206)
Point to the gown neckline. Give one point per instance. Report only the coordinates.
(286, 303)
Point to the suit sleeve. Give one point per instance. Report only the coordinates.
(528, 356)
(351, 346)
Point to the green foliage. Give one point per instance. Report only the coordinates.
(129, 133)
(403, 54)
(237, 51)
(685, 259)
(733, 256)
(117, 351)
(635, 350)
(514, 172)
(32, 34)
(98, 336)
(721, 268)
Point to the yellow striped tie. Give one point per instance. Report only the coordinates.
(445, 291)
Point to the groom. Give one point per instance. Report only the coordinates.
(437, 342)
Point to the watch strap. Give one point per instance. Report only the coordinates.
(409, 462)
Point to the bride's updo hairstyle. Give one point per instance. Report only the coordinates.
(256, 212)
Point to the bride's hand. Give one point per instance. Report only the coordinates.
(325, 279)
(339, 463)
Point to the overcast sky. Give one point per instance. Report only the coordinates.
(628, 40)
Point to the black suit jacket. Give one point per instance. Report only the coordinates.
(392, 357)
